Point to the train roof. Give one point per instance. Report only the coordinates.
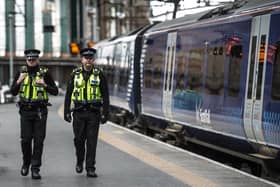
(192, 18)
(255, 4)
(133, 33)
(229, 9)
(125, 37)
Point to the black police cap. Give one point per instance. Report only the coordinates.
(88, 52)
(32, 53)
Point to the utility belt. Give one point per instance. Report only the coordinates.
(95, 107)
(32, 105)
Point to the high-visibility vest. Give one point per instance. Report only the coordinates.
(32, 92)
(86, 92)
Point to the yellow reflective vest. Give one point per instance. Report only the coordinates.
(86, 92)
(32, 92)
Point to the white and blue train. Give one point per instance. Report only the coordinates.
(211, 78)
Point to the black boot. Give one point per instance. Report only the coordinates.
(91, 173)
(79, 168)
(35, 174)
(24, 170)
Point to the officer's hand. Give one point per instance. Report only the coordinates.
(68, 117)
(21, 77)
(41, 82)
(103, 119)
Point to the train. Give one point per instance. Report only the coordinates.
(211, 78)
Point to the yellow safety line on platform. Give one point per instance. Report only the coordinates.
(178, 172)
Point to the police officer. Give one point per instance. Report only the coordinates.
(33, 83)
(88, 90)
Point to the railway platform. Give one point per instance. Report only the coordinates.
(124, 159)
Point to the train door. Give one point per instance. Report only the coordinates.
(169, 74)
(255, 78)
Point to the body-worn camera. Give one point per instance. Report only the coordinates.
(23, 69)
(94, 83)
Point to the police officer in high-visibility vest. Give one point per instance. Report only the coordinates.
(88, 90)
(33, 83)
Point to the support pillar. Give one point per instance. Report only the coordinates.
(47, 21)
(65, 28)
(10, 9)
(29, 21)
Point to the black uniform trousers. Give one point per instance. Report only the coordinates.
(33, 132)
(85, 128)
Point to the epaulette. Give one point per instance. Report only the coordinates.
(77, 70)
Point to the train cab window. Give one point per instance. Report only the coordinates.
(99, 52)
(118, 54)
(125, 63)
(116, 65)
(122, 66)
(235, 58)
(215, 70)
(275, 93)
(107, 54)
(195, 66)
(107, 60)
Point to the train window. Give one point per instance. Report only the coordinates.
(275, 93)
(118, 54)
(125, 63)
(260, 67)
(148, 66)
(215, 71)
(195, 64)
(107, 54)
(148, 73)
(99, 52)
(154, 60)
(156, 78)
(221, 51)
(252, 64)
(171, 68)
(106, 59)
(166, 67)
(149, 41)
(157, 71)
(116, 65)
(181, 68)
(235, 59)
